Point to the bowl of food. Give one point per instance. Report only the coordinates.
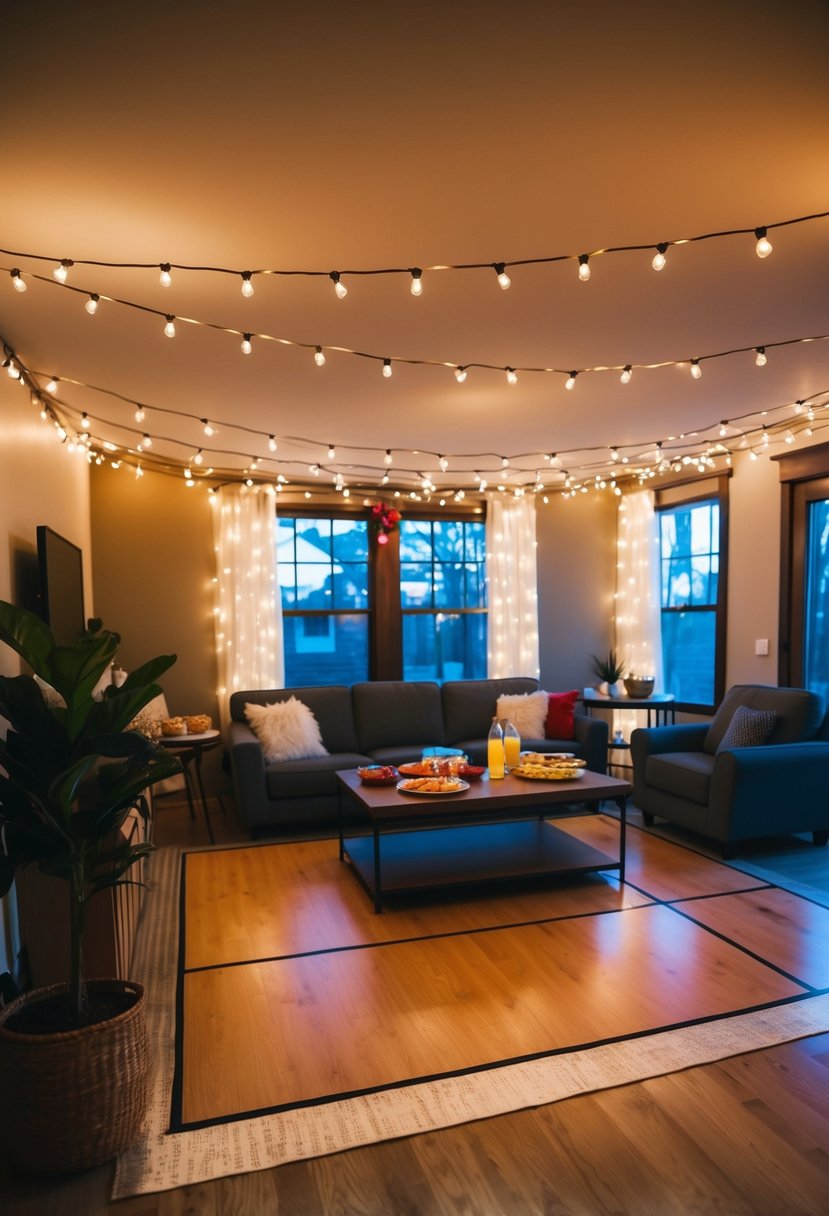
(378, 774)
(471, 772)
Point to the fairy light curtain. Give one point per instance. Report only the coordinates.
(638, 601)
(512, 587)
(249, 640)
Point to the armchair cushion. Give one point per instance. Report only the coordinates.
(799, 713)
(748, 728)
(687, 774)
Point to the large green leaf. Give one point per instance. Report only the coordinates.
(27, 635)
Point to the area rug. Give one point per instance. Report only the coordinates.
(162, 1161)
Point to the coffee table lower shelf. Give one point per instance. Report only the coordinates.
(456, 856)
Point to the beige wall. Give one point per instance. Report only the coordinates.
(753, 571)
(40, 483)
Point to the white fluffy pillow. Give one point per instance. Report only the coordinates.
(527, 712)
(287, 730)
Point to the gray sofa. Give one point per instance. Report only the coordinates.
(379, 722)
(742, 793)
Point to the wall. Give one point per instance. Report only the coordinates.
(754, 571)
(41, 482)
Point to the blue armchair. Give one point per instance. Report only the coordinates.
(691, 775)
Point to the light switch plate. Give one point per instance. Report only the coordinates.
(761, 646)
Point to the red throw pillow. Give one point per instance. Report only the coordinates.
(560, 709)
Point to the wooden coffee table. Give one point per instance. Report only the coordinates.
(495, 830)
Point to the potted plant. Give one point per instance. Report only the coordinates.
(610, 671)
(74, 1057)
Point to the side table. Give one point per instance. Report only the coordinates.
(190, 749)
(659, 706)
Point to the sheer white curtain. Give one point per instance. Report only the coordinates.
(638, 601)
(513, 587)
(249, 645)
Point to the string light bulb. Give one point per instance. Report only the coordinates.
(417, 283)
(85, 423)
(340, 289)
(696, 370)
(460, 374)
(659, 259)
(319, 357)
(723, 429)
(760, 359)
(764, 246)
(272, 443)
(443, 463)
(387, 458)
(198, 458)
(164, 276)
(17, 282)
(61, 272)
(208, 429)
(146, 441)
(387, 369)
(246, 344)
(91, 305)
(626, 374)
(140, 414)
(170, 327)
(247, 286)
(504, 280)
(332, 452)
(584, 267)
(570, 382)
(512, 375)
(52, 385)
(505, 462)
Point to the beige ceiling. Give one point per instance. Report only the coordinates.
(361, 136)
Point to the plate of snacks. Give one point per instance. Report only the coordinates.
(564, 770)
(198, 724)
(419, 768)
(471, 772)
(172, 727)
(431, 786)
(377, 774)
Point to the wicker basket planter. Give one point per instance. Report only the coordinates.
(74, 1099)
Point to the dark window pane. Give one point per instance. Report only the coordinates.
(449, 585)
(415, 585)
(351, 585)
(444, 647)
(688, 645)
(325, 649)
(816, 623)
(448, 540)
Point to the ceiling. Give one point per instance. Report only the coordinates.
(368, 136)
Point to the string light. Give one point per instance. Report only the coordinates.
(460, 374)
(761, 359)
(512, 375)
(505, 462)
(319, 357)
(91, 305)
(332, 452)
(146, 441)
(764, 246)
(417, 284)
(387, 368)
(52, 384)
(247, 286)
(696, 370)
(504, 280)
(17, 282)
(340, 289)
(85, 423)
(443, 464)
(387, 458)
(723, 429)
(272, 442)
(570, 382)
(246, 344)
(208, 429)
(658, 262)
(584, 267)
(61, 273)
(170, 327)
(198, 458)
(626, 374)
(164, 277)
(139, 414)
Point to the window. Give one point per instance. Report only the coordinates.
(414, 609)
(322, 566)
(804, 569)
(816, 589)
(443, 599)
(691, 544)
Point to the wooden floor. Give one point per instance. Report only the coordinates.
(747, 1136)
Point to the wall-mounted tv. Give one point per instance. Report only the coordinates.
(61, 585)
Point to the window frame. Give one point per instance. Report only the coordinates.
(683, 493)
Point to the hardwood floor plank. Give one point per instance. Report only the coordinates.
(789, 931)
(280, 1032)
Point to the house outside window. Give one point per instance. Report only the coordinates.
(692, 581)
(414, 609)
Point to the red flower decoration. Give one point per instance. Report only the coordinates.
(384, 519)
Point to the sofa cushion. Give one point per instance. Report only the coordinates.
(394, 713)
(330, 705)
(286, 729)
(311, 777)
(686, 774)
(561, 708)
(526, 711)
(799, 713)
(469, 705)
(748, 728)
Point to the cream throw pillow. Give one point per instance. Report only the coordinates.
(527, 712)
(287, 730)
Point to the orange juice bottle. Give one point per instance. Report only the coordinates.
(495, 751)
(512, 745)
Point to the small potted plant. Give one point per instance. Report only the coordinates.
(610, 671)
(74, 1057)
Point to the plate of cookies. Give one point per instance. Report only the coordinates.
(431, 786)
(550, 769)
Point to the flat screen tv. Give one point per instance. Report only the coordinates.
(61, 585)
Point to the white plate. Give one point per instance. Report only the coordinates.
(461, 786)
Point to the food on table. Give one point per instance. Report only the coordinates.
(197, 724)
(173, 726)
(431, 785)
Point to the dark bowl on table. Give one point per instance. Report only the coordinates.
(471, 772)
